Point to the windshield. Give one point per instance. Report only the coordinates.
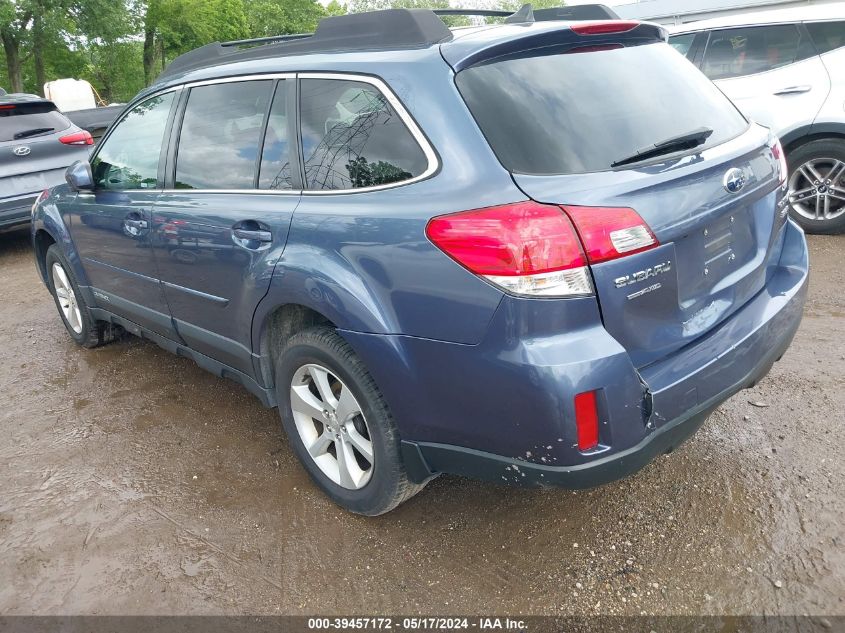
(581, 110)
(26, 121)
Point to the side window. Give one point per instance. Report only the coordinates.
(682, 43)
(751, 50)
(220, 135)
(827, 36)
(275, 159)
(130, 155)
(352, 137)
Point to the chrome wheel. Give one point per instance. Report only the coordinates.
(67, 298)
(817, 189)
(331, 426)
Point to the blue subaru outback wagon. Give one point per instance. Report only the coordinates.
(539, 252)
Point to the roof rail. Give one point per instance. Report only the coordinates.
(267, 40)
(373, 30)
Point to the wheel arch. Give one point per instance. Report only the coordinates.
(42, 240)
(277, 327)
(808, 133)
(48, 225)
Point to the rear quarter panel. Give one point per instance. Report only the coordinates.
(362, 259)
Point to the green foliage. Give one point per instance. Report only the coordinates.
(360, 6)
(272, 17)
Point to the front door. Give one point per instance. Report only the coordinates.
(110, 226)
(221, 225)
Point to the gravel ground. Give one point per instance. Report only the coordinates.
(135, 483)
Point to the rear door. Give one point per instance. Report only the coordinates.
(34, 152)
(559, 122)
(772, 73)
(222, 223)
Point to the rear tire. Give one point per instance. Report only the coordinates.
(817, 186)
(71, 304)
(341, 415)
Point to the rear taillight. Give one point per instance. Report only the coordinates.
(82, 137)
(609, 232)
(780, 157)
(600, 28)
(587, 420)
(525, 248)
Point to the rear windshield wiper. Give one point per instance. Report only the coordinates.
(674, 144)
(33, 132)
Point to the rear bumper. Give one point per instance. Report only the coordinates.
(426, 459)
(17, 210)
(503, 411)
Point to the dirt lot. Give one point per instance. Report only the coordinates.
(133, 482)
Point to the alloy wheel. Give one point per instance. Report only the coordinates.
(817, 189)
(67, 298)
(332, 426)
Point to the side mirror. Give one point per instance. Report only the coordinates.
(79, 176)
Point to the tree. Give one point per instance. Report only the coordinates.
(15, 21)
(359, 6)
(277, 17)
(335, 8)
(173, 27)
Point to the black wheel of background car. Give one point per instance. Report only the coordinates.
(817, 186)
(73, 309)
(339, 423)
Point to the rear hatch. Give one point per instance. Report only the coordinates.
(581, 122)
(37, 143)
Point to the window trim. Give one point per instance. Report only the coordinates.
(422, 141)
(170, 147)
(177, 128)
(163, 153)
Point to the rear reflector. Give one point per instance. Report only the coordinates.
(600, 28)
(78, 138)
(525, 248)
(780, 157)
(587, 420)
(609, 232)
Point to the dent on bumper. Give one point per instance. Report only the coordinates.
(749, 344)
(476, 411)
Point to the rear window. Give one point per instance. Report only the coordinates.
(23, 121)
(578, 111)
(828, 36)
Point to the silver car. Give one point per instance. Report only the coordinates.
(784, 69)
(37, 143)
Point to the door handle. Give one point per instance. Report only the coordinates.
(793, 90)
(134, 227)
(253, 235)
(137, 224)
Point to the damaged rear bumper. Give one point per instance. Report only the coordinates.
(683, 390)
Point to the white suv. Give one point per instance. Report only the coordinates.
(786, 69)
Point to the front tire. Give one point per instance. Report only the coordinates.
(339, 424)
(71, 304)
(817, 186)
